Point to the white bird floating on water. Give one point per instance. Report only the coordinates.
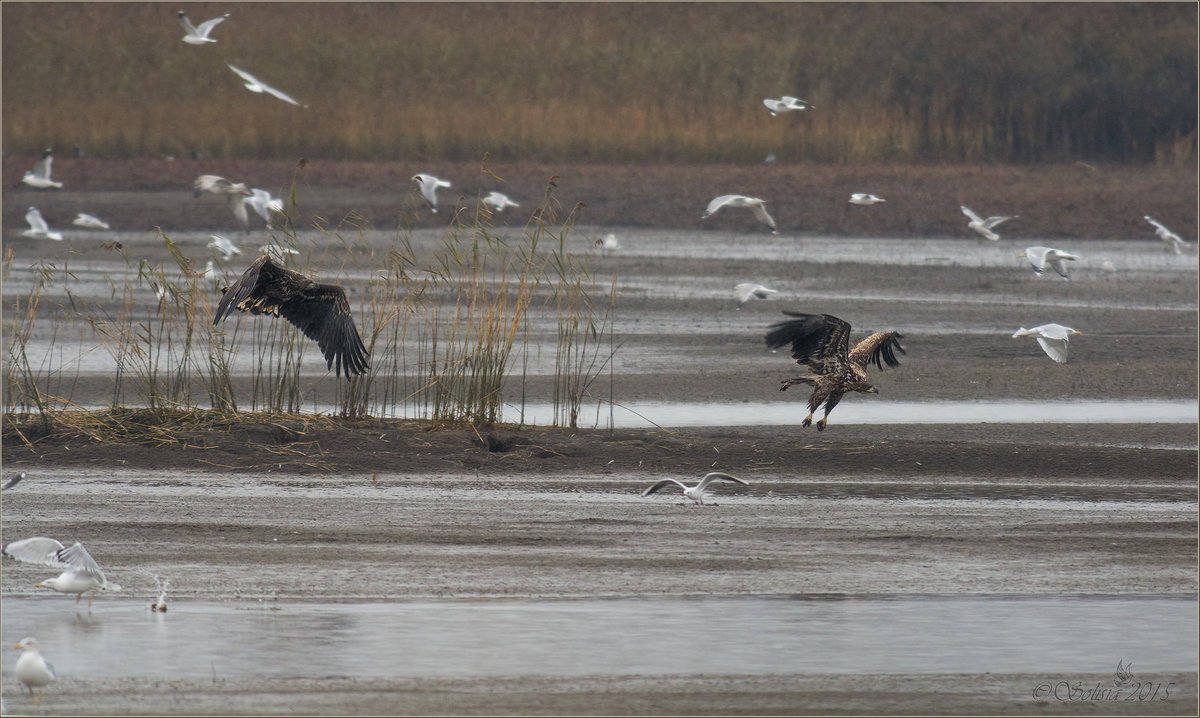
(82, 574)
(695, 493)
(263, 204)
(1039, 257)
(749, 290)
(253, 84)
(1052, 337)
(39, 176)
(499, 201)
(740, 200)
(984, 226)
(223, 245)
(84, 219)
(199, 35)
(33, 669)
(429, 187)
(235, 192)
(863, 198)
(785, 104)
(1177, 243)
(38, 229)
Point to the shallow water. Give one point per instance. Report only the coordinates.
(741, 635)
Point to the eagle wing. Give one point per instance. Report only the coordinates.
(821, 341)
(878, 349)
(321, 311)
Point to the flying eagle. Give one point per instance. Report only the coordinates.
(823, 343)
(321, 311)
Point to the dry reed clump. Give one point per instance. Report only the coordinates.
(624, 82)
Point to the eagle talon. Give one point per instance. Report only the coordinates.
(807, 421)
(821, 425)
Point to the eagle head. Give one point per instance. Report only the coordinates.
(871, 390)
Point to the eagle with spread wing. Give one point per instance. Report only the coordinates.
(822, 342)
(321, 311)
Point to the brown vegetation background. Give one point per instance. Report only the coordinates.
(609, 82)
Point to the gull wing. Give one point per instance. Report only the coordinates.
(993, 221)
(717, 475)
(187, 24)
(1055, 348)
(760, 211)
(663, 484)
(39, 550)
(719, 202)
(970, 215)
(280, 95)
(1148, 218)
(76, 558)
(878, 349)
(41, 168)
(1055, 260)
(250, 79)
(773, 105)
(36, 221)
(1037, 257)
(207, 26)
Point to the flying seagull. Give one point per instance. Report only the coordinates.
(38, 229)
(785, 104)
(1177, 243)
(82, 574)
(39, 176)
(822, 342)
(84, 219)
(863, 198)
(199, 35)
(983, 226)
(1040, 257)
(321, 311)
(695, 493)
(235, 193)
(498, 201)
(223, 245)
(429, 187)
(739, 200)
(749, 290)
(263, 204)
(1052, 337)
(253, 84)
(32, 669)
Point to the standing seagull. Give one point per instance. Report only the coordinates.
(1039, 257)
(82, 574)
(740, 200)
(234, 192)
(199, 35)
(1177, 243)
(253, 84)
(695, 493)
(429, 187)
(321, 311)
(38, 229)
(32, 669)
(1052, 337)
(863, 198)
(983, 226)
(39, 176)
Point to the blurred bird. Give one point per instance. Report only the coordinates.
(39, 176)
(1052, 337)
(608, 243)
(86, 220)
(862, 198)
(223, 245)
(499, 201)
(748, 290)
(785, 104)
(210, 271)
(1039, 257)
(82, 574)
(429, 187)
(38, 229)
(14, 480)
(983, 226)
(32, 669)
(199, 35)
(253, 84)
(696, 493)
(1177, 243)
(738, 200)
(263, 204)
(235, 193)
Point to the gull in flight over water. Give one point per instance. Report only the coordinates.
(498, 201)
(749, 290)
(739, 200)
(84, 219)
(236, 192)
(82, 574)
(199, 35)
(785, 104)
(263, 204)
(863, 198)
(608, 243)
(1177, 243)
(38, 229)
(223, 245)
(32, 669)
(1040, 257)
(695, 493)
(429, 187)
(39, 176)
(253, 84)
(983, 226)
(1052, 337)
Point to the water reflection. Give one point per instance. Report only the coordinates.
(741, 635)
